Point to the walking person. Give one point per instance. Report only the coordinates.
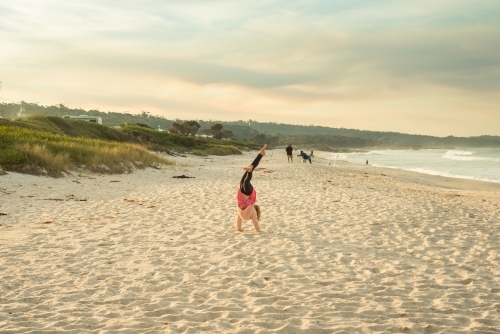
(289, 153)
(247, 196)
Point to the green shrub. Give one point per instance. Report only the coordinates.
(22, 148)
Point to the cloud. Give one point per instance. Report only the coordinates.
(320, 59)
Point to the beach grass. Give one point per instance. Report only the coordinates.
(40, 152)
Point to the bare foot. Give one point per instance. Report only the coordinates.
(240, 230)
(263, 150)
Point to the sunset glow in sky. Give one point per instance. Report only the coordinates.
(423, 67)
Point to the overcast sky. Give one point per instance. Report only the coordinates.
(423, 67)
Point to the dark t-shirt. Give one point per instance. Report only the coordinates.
(289, 150)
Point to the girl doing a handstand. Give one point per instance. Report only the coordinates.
(246, 196)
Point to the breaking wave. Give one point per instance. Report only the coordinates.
(465, 156)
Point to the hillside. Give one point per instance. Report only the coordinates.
(51, 145)
(385, 139)
(275, 133)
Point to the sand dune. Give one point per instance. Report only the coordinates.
(343, 250)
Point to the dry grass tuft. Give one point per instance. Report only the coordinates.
(41, 153)
(41, 156)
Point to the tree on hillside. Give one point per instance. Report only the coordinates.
(262, 138)
(240, 131)
(217, 130)
(259, 139)
(228, 134)
(175, 128)
(190, 128)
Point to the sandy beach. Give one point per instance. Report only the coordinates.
(344, 249)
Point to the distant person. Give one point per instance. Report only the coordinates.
(246, 196)
(305, 156)
(289, 153)
(367, 162)
(312, 154)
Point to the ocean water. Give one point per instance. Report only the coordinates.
(471, 163)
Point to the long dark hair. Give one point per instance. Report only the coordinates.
(257, 209)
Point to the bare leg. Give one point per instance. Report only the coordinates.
(239, 224)
(256, 162)
(245, 184)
